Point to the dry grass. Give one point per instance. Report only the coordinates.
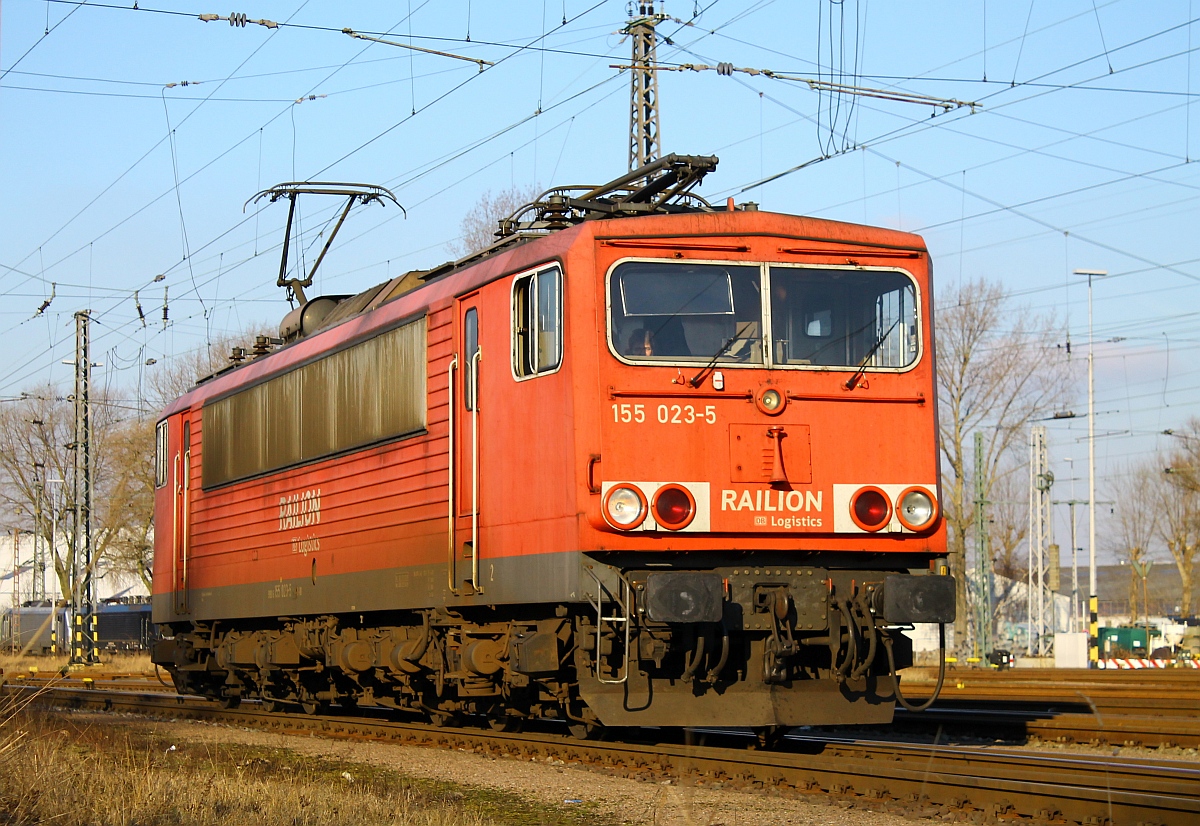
(134, 663)
(92, 770)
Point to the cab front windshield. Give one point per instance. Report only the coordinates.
(681, 312)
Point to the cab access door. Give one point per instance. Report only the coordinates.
(466, 428)
(181, 486)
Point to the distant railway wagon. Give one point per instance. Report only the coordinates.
(125, 626)
(644, 461)
(120, 626)
(34, 628)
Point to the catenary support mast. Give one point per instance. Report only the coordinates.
(644, 144)
(83, 640)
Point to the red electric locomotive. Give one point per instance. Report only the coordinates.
(644, 461)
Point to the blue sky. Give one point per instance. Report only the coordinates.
(1079, 155)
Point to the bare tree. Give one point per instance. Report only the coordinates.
(127, 524)
(1137, 521)
(1184, 460)
(168, 380)
(1008, 521)
(997, 371)
(36, 450)
(480, 223)
(1179, 507)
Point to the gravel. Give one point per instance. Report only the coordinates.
(662, 803)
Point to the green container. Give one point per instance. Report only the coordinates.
(1124, 642)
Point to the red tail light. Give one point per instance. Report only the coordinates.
(674, 507)
(870, 509)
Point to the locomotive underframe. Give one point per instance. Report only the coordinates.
(779, 645)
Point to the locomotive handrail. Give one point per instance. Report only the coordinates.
(450, 468)
(187, 486)
(176, 492)
(815, 397)
(676, 394)
(623, 588)
(476, 357)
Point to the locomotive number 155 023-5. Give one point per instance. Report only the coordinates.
(666, 413)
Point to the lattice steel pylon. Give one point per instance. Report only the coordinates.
(1041, 598)
(643, 88)
(83, 640)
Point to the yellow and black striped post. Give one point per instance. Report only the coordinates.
(77, 639)
(1093, 630)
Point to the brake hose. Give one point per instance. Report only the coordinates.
(872, 644)
(691, 665)
(852, 645)
(716, 670)
(937, 689)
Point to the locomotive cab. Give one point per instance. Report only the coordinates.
(766, 482)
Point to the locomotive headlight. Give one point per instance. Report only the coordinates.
(625, 507)
(916, 509)
(770, 401)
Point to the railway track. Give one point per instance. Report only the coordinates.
(951, 782)
(1164, 693)
(991, 715)
(1158, 708)
(1112, 729)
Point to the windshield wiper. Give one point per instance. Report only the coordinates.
(852, 382)
(695, 380)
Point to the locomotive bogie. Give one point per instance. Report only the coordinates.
(775, 629)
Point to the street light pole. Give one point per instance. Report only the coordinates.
(1093, 600)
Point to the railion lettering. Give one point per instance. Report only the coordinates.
(773, 501)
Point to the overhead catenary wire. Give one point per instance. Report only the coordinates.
(963, 195)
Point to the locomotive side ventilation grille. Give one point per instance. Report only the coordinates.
(372, 391)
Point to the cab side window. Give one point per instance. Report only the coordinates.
(160, 454)
(471, 349)
(537, 322)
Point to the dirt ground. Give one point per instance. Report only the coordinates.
(611, 799)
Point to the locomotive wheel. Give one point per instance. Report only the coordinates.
(314, 706)
(584, 731)
(269, 705)
(770, 737)
(444, 719)
(229, 701)
(505, 723)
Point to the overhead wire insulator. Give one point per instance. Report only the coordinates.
(46, 303)
(166, 314)
(238, 19)
(138, 305)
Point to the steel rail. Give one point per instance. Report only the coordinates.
(1104, 728)
(1073, 724)
(1102, 692)
(959, 781)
